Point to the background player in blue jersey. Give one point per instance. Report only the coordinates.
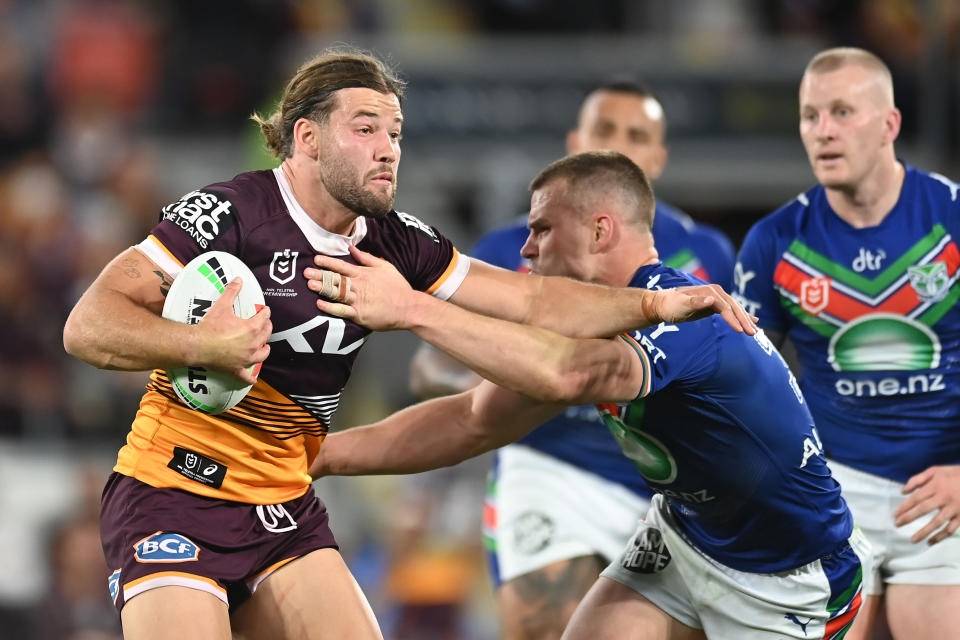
(748, 535)
(250, 549)
(545, 549)
(860, 272)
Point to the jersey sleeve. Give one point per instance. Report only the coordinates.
(425, 257)
(951, 199)
(673, 353)
(753, 277)
(202, 220)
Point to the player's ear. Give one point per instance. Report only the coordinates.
(604, 232)
(891, 127)
(573, 142)
(306, 137)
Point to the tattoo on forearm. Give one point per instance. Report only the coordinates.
(164, 283)
(131, 268)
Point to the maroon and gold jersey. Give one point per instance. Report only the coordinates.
(259, 451)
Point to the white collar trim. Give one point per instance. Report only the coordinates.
(322, 241)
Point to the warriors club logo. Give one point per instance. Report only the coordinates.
(814, 295)
(930, 281)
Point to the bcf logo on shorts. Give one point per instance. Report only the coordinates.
(166, 547)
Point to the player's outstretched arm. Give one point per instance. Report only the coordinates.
(567, 306)
(530, 360)
(586, 310)
(116, 324)
(434, 373)
(436, 433)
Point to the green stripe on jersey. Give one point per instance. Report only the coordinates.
(869, 286)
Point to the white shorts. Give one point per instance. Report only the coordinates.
(817, 600)
(896, 560)
(541, 510)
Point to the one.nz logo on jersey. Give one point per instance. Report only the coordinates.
(202, 214)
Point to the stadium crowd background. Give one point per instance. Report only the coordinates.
(110, 108)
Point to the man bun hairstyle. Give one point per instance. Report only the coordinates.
(310, 93)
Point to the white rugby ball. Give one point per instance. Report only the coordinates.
(193, 291)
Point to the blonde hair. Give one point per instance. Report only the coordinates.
(311, 92)
(839, 57)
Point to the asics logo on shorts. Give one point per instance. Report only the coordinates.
(647, 554)
(275, 518)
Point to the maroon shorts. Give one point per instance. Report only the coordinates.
(158, 537)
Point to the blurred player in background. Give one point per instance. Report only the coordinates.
(562, 500)
(860, 273)
(748, 536)
(245, 546)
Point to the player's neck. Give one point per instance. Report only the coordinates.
(872, 199)
(625, 267)
(311, 194)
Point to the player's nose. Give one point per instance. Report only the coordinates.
(529, 249)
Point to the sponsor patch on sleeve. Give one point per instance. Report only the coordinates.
(203, 215)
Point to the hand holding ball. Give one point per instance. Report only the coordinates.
(193, 292)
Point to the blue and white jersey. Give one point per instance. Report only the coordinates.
(721, 429)
(577, 436)
(873, 314)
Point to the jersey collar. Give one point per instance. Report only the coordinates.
(322, 241)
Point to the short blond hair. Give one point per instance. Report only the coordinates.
(839, 57)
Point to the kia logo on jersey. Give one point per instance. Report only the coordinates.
(814, 295)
